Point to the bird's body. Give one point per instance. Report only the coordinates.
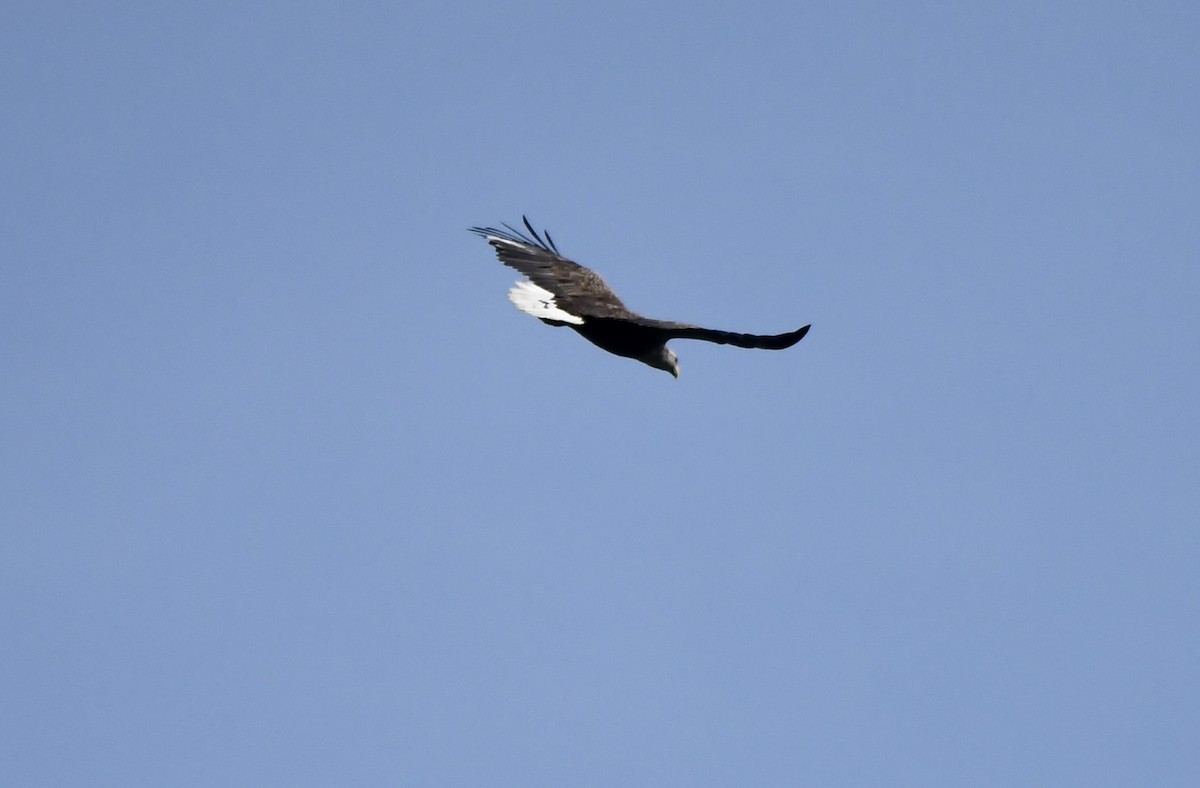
(561, 292)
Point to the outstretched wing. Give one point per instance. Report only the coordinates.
(576, 290)
(671, 330)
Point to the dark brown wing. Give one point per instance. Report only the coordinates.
(671, 330)
(576, 289)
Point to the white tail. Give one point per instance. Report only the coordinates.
(539, 302)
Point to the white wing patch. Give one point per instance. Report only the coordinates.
(539, 302)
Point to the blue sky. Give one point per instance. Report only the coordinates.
(290, 494)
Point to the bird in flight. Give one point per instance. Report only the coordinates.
(560, 292)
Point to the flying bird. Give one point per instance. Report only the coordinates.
(560, 292)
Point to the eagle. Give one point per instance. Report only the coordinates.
(561, 292)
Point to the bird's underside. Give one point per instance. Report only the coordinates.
(561, 292)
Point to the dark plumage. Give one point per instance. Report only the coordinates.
(563, 293)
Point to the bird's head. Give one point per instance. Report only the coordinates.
(665, 360)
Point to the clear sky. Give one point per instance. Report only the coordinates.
(291, 495)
